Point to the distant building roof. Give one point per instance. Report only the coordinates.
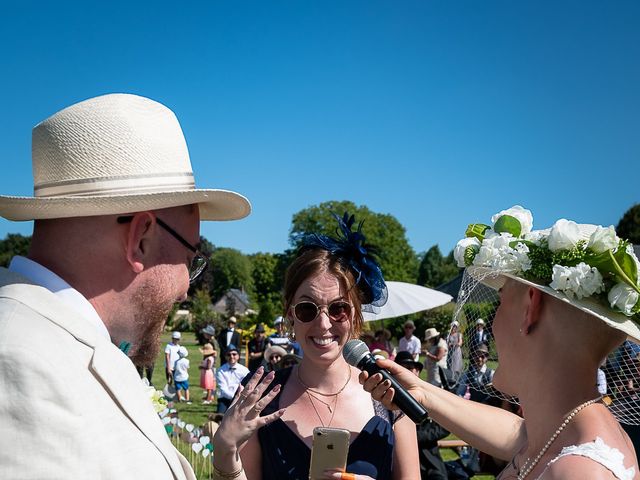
(234, 299)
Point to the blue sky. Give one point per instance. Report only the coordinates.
(439, 113)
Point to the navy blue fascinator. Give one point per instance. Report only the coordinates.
(352, 250)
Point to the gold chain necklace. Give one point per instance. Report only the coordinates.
(528, 467)
(309, 389)
(327, 404)
(333, 412)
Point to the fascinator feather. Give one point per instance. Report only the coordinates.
(351, 249)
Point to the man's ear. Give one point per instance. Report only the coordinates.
(138, 240)
(534, 300)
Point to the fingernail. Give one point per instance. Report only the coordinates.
(276, 388)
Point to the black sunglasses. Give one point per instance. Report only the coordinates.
(307, 311)
(199, 262)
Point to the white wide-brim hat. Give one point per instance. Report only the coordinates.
(617, 320)
(429, 333)
(115, 154)
(271, 349)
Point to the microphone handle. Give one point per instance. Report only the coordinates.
(411, 408)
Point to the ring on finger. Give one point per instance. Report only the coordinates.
(257, 408)
(347, 476)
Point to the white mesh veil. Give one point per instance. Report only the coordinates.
(618, 378)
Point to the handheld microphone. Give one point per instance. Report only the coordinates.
(357, 354)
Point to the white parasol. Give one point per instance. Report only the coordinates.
(407, 298)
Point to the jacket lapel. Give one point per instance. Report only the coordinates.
(117, 374)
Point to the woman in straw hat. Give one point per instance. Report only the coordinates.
(578, 281)
(436, 353)
(208, 371)
(327, 286)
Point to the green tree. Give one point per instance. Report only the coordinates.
(629, 225)
(397, 259)
(434, 269)
(230, 269)
(203, 314)
(14, 244)
(267, 284)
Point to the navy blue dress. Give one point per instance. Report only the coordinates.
(286, 456)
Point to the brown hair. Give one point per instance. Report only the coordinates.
(311, 262)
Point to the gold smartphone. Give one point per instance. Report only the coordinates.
(329, 450)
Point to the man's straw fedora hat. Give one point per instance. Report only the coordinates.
(115, 154)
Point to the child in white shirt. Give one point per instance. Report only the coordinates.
(181, 375)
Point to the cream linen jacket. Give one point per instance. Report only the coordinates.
(72, 405)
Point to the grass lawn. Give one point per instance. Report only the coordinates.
(196, 413)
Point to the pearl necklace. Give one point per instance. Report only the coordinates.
(528, 467)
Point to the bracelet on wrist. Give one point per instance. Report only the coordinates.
(226, 476)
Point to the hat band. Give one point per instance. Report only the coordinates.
(121, 185)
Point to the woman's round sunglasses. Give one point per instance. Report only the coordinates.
(307, 311)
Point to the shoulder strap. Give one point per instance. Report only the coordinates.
(598, 451)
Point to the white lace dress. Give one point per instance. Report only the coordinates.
(600, 452)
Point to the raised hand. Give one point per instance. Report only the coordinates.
(243, 418)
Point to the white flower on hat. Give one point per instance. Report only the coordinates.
(521, 214)
(623, 297)
(580, 281)
(535, 236)
(461, 248)
(564, 235)
(496, 253)
(603, 239)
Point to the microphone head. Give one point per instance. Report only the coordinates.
(354, 351)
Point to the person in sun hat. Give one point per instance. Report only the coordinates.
(279, 337)
(171, 354)
(115, 244)
(208, 372)
(272, 357)
(436, 355)
(409, 342)
(181, 375)
(570, 281)
(256, 347)
(382, 341)
(477, 376)
(228, 336)
(228, 378)
(454, 350)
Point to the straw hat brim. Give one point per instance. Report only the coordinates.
(614, 319)
(213, 204)
(274, 349)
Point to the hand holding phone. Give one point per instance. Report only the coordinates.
(329, 450)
